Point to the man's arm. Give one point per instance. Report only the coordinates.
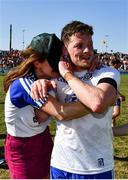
(97, 98)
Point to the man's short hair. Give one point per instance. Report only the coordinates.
(74, 27)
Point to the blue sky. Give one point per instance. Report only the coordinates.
(109, 19)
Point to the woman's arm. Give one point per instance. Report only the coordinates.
(61, 111)
(41, 116)
(64, 111)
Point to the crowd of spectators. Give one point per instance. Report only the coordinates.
(115, 58)
(10, 59)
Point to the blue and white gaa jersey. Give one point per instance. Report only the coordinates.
(84, 145)
(19, 109)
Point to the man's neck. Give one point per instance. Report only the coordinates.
(78, 69)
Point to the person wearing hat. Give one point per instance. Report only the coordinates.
(28, 143)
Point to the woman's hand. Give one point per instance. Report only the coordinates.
(40, 87)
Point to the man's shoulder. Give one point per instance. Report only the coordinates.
(107, 69)
(107, 72)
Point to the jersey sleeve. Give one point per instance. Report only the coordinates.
(111, 76)
(20, 94)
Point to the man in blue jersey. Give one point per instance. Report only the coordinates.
(83, 147)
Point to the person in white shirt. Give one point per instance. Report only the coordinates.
(83, 148)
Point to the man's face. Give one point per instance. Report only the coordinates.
(80, 49)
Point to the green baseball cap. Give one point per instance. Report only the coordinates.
(50, 46)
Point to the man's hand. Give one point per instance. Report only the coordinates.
(67, 66)
(64, 66)
(39, 88)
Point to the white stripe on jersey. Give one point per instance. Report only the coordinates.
(26, 84)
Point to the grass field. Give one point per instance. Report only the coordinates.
(120, 143)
